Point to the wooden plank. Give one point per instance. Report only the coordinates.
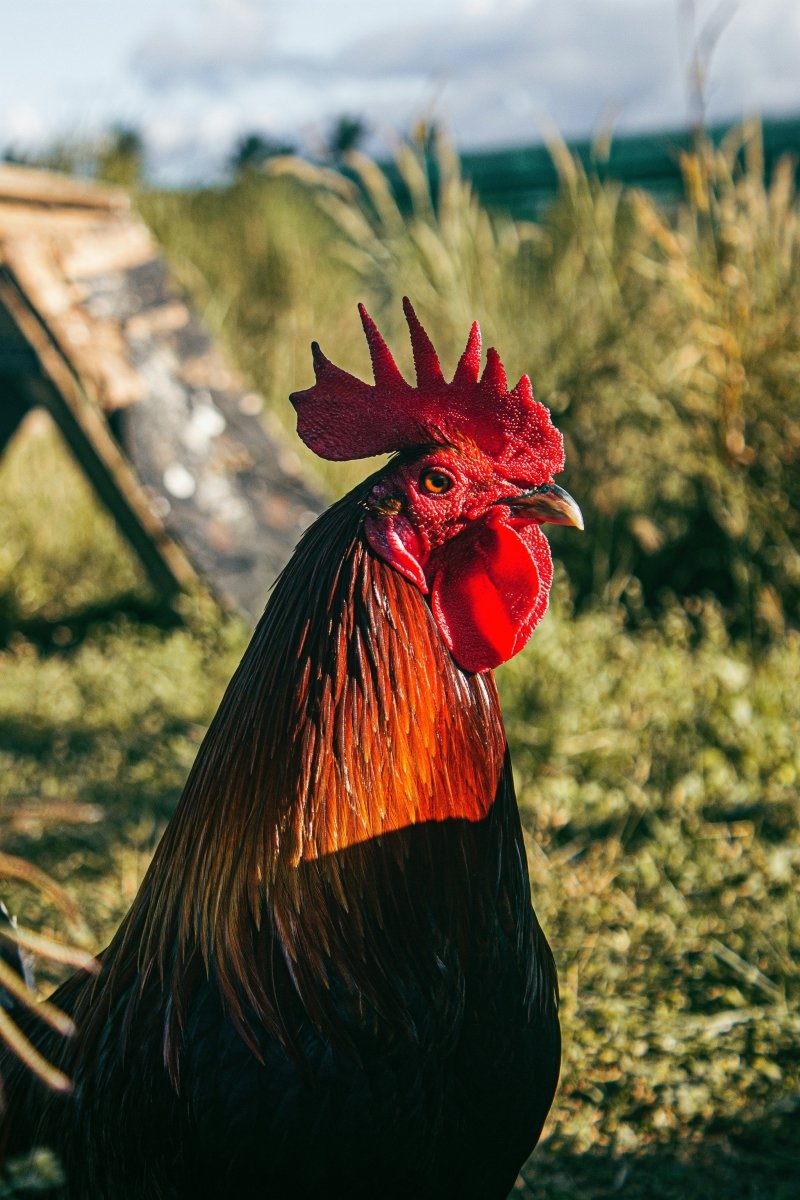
(51, 189)
(16, 217)
(86, 432)
(229, 491)
(114, 244)
(89, 337)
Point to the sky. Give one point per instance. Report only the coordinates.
(194, 75)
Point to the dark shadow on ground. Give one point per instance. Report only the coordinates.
(70, 629)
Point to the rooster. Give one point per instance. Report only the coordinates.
(332, 982)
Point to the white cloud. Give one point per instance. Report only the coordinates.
(194, 74)
(502, 62)
(22, 126)
(231, 40)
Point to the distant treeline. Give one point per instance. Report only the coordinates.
(520, 180)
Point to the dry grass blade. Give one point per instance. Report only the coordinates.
(747, 971)
(311, 174)
(30, 1056)
(48, 1012)
(30, 815)
(13, 867)
(57, 952)
(411, 165)
(377, 187)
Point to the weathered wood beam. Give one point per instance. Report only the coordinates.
(52, 189)
(87, 434)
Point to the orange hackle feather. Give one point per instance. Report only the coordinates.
(347, 722)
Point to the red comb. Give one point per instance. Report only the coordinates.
(341, 417)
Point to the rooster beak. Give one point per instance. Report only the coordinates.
(548, 503)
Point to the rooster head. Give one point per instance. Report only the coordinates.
(459, 511)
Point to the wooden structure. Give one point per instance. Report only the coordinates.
(93, 330)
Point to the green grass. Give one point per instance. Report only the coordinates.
(657, 776)
(655, 717)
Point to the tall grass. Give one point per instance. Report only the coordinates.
(667, 345)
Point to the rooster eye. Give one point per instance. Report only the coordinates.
(435, 481)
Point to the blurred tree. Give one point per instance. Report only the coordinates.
(120, 157)
(252, 150)
(347, 133)
(71, 155)
(17, 157)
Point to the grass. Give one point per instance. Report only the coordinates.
(660, 793)
(654, 719)
(668, 349)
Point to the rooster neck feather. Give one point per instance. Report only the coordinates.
(351, 762)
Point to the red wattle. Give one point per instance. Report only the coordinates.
(489, 590)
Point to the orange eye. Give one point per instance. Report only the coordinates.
(435, 481)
